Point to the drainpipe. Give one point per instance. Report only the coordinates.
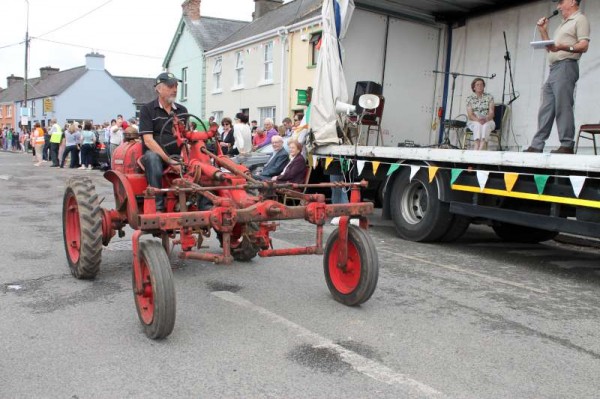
(283, 34)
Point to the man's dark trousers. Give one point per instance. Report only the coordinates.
(557, 102)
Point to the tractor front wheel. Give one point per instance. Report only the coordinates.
(82, 228)
(155, 299)
(355, 282)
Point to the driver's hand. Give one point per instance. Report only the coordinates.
(175, 167)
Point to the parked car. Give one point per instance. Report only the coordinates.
(256, 160)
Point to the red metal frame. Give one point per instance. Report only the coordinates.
(233, 208)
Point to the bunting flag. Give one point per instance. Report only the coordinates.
(393, 167)
(577, 182)
(482, 178)
(432, 172)
(360, 165)
(510, 179)
(455, 173)
(413, 171)
(540, 182)
(315, 160)
(375, 166)
(328, 162)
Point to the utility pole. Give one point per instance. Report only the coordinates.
(27, 56)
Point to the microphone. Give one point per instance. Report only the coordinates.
(554, 14)
(493, 76)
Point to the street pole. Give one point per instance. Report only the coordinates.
(27, 56)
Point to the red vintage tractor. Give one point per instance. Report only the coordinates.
(211, 193)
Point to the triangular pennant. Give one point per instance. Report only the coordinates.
(455, 173)
(577, 182)
(510, 179)
(315, 161)
(360, 165)
(540, 182)
(482, 178)
(393, 167)
(328, 162)
(413, 171)
(345, 164)
(375, 166)
(432, 172)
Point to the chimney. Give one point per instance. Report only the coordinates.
(47, 71)
(12, 79)
(261, 7)
(191, 9)
(94, 61)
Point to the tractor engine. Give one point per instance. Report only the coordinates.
(125, 157)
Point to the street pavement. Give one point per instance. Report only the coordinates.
(478, 318)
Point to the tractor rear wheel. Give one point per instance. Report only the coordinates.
(155, 300)
(355, 283)
(82, 228)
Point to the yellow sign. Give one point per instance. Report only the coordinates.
(48, 105)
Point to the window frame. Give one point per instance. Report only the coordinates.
(217, 74)
(184, 84)
(268, 62)
(266, 112)
(239, 68)
(314, 40)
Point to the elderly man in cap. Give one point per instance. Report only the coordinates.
(571, 40)
(153, 117)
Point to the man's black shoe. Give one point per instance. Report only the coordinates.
(563, 150)
(531, 149)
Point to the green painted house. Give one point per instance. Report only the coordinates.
(185, 58)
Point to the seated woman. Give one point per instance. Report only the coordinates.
(480, 110)
(295, 170)
(227, 137)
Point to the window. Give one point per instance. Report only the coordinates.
(266, 112)
(9, 111)
(184, 84)
(217, 69)
(239, 68)
(218, 116)
(268, 60)
(2, 110)
(315, 48)
(33, 108)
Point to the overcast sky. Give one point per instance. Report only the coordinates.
(142, 27)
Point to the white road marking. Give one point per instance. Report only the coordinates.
(368, 367)
(5, 177)
(476, 274)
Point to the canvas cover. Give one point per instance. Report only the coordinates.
(330, 85)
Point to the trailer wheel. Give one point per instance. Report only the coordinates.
(356, 283)
(522, 234)
(155, 300)
(82, 228)
(457, 228)
(416, 210)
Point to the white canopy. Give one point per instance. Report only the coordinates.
(330, 84)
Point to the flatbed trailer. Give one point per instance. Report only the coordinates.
(433, 195)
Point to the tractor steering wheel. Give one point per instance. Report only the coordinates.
(170, 121)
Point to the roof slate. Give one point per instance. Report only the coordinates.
(209, 31)
(38, 88)
(285, 15)
(141, 89)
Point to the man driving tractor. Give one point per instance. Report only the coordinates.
(159, 145)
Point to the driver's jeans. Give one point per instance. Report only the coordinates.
(153, 164)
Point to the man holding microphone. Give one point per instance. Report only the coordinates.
(571, 40)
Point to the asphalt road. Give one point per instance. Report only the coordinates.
(475, 319)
